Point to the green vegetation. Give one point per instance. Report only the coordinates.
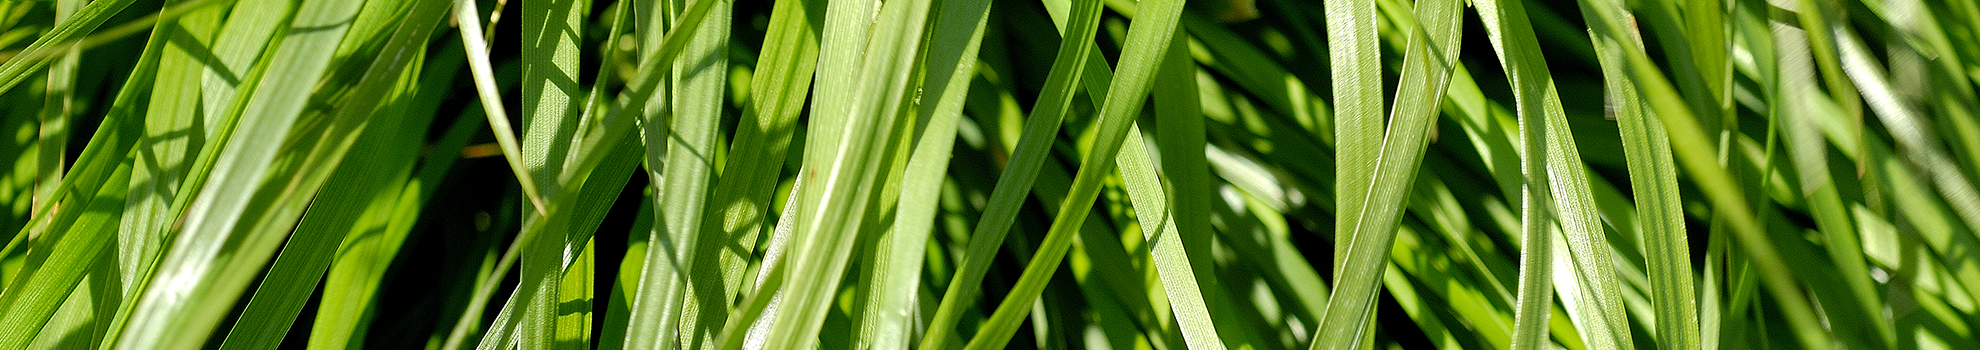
(974, 174)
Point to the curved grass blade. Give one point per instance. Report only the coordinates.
(605, 141)
(1653, 181)
(949, 66)
(1040, 130)
(1605, 19)
(1594, 301)
(1371, 190)
(857, 135)
(491, 100)
(1148, 39)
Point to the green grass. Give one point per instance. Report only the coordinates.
(943, 174)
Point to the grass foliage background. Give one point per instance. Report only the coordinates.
(940, 174)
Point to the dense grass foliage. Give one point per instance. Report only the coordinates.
(975, 174)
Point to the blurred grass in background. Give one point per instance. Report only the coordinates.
(939, 174)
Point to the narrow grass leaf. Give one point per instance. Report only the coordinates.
(1148, 39)
(741, 199)
(1370, 193)
(680, 138)
(491, 100)
(1041, 128)
(60, 38)
(1653, 181)
(1605, 19)
(946, 74)
(188, 278)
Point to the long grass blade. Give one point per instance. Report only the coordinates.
(188, 276)
(1594, 297)
(1370, 192)
(680, 139)
(60, 38)
(1653, 179)
(1606, 19)
(491, 100)
(1041, 127)
(1148, 40)
(742, 197)
(950, 60)
(382, 153)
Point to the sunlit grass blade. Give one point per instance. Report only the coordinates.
(1605, 19)
(552, 103)
(1153, 209)
(173, 110)
(1593, 300)
(741, 199)
(58, 39)
(491, 100)
(52, 273)
(1910, 131)
(189, 279)
(948, 66)
(352, 200)
(1653, 180)
(1855, 314)
(58, 99)
(852, 146)
(680, 138)
(1041, 128)
(606, 140)
(1369, 199)
(1148, 39)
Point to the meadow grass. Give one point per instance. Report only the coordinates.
(942, 174)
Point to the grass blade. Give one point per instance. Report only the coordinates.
(1594, 300)
(1040, 129)
(1653, 180)
(59, 38)
(1605, 20)
(1370, 192)
(681, 135)
(1148, 39)
(742, 195)
(491, 100)
(190, 269)
(950, 59)
(386, 156)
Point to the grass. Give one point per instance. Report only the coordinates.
(942, 174)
